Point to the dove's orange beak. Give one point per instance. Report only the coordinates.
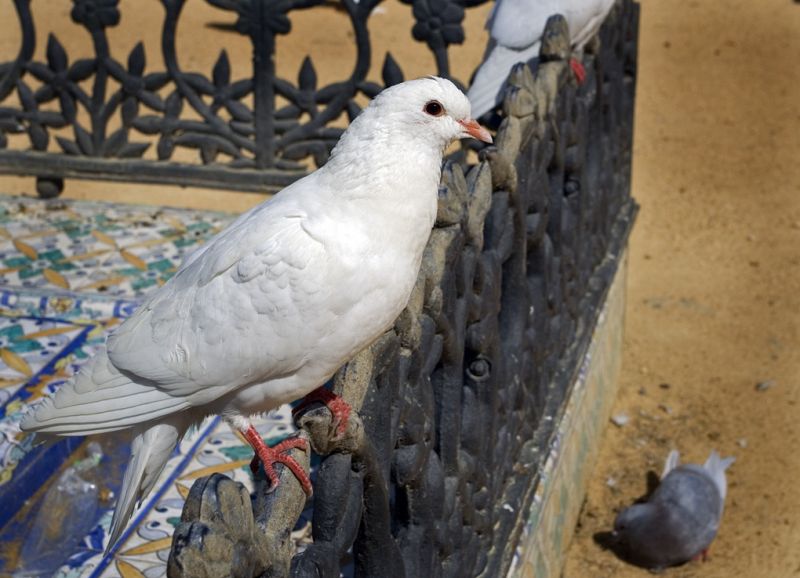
(473, 129)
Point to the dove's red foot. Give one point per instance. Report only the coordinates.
(702, 556)
(338, 407)
(269, 456)
(578, 70)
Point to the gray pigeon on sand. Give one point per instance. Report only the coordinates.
(272, 306)
(681, 517)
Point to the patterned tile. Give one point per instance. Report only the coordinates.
(144, 549)
(69, 272)
(96, 248)
(574, 448)
(27, 345)
(62, 305)
(38, 355)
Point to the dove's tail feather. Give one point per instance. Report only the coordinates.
(484, 93)
(151, 447)
(673, 459)
(100, 399)
(716, 466)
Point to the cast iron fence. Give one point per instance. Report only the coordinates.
(245, 147)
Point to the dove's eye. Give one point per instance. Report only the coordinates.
(434, 108)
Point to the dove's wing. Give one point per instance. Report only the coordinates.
(250, 307)
(518, 24)
(484, 92)
(100, 399)
(515, 28)
(585, 18)
(693, 501)
(240, 313)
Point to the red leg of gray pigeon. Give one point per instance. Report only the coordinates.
(269, 456)
(338, 407)
(578, 70)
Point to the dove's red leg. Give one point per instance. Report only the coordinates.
(269, 456)
(338, 407)
(578, 70)
(703, 556)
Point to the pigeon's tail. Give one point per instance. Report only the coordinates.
(151, 447)
(484, 93)
(671, 463)
(100, 399)
(716, 466)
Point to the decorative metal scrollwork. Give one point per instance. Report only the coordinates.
(268, 146)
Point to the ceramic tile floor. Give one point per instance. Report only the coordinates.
(69, 272)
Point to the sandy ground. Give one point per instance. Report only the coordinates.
(714, 286)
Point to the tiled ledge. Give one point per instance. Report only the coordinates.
(573, 450)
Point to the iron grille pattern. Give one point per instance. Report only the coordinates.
(459, 401)
(264, 146)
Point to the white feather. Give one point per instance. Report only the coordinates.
(671, 463)
(151, 448)
(716, 466)
(485, 91)
(99, 400)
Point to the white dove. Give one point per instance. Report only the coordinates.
(273, 305)
(515, 34)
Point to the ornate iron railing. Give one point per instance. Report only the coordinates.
(459, 401)
(266, 147)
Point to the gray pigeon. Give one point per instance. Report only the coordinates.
(680, 519)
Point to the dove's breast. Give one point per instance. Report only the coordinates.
(364, 277)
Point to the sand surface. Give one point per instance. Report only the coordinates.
(714, 286)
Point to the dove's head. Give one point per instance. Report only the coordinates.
(632, 524)
(645, 534)
(407, 125)
(428, 110)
